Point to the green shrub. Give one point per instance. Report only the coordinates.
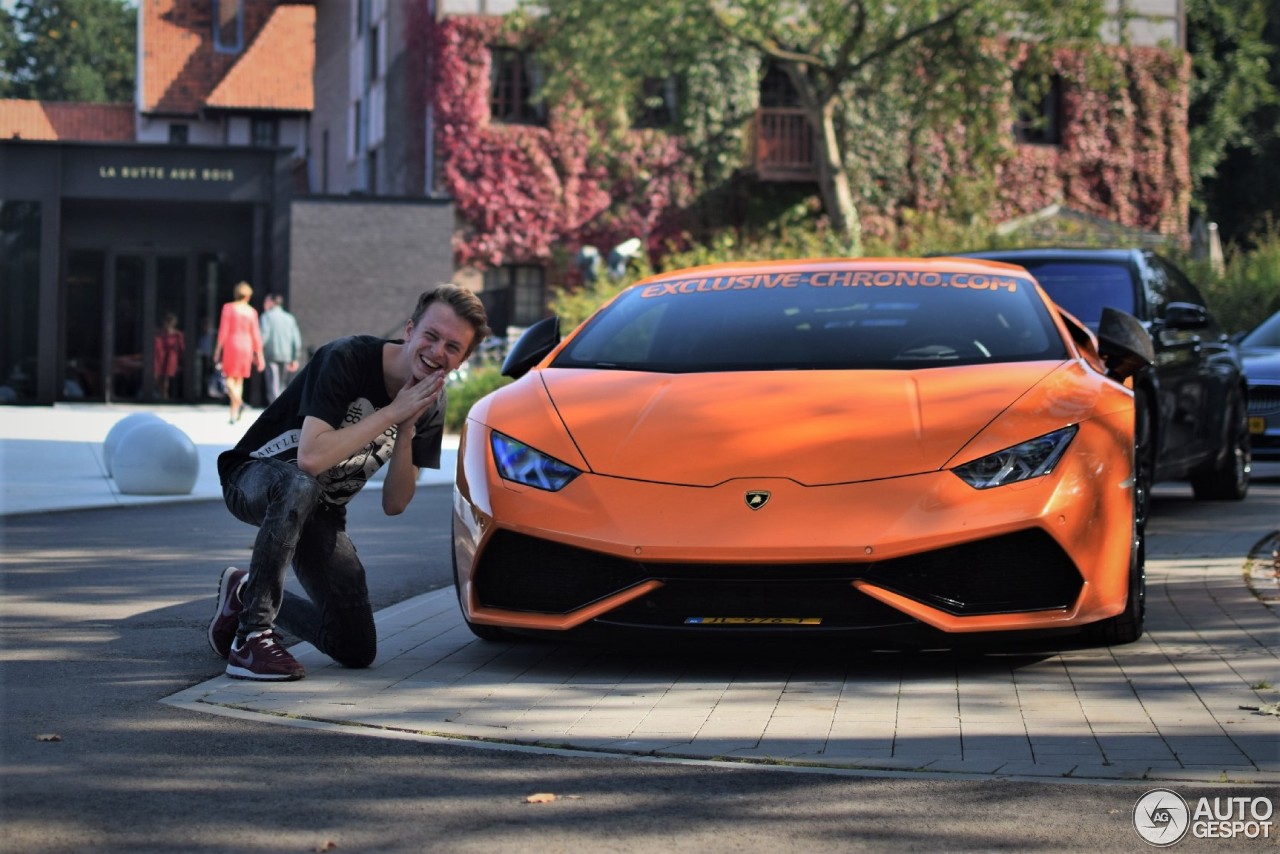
(575, 306)
(1248, 290)
(463, 394)
(798, 232)
(1245, 293)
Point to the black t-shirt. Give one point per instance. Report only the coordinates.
(341, 385)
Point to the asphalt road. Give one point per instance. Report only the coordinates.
(104, 614)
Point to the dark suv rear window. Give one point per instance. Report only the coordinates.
(1085, 288)
(770, 320)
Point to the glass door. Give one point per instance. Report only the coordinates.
(130, 324)
(127, 293)
(84, 332)
(173, 363)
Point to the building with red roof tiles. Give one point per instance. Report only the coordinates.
(113, 216)
(210, 72)
(226, 72)
(436, 99)
(21, 119)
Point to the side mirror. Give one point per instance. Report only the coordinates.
(1124, 344)
(532, 347)
(1185, 315)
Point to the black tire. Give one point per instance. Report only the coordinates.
(1228, 479)
(484, 632)
(1144, 458)
(1129, 624)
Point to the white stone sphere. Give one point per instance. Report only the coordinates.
(156, 459)
(121, 427)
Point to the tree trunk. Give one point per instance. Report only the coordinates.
(833, 180)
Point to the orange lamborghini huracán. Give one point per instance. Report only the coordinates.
(882, 448)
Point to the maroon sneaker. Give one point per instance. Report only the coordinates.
(226, 620)
(262, 657)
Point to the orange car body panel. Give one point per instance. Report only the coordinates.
(857, 464)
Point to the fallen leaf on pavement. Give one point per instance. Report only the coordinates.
(49, 736)
(540, 798)
(327, 845)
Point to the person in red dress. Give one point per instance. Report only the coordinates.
(169, 348)
(239, 346)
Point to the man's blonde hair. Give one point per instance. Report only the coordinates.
(464, 302)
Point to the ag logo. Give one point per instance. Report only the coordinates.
(1161, 817)
(757, 498)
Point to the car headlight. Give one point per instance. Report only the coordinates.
(1032, 458)
(518, 462)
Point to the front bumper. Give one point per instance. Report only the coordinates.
(1052, 552)
(1264, 420)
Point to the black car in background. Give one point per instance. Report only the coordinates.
(1260, 351)
(1193, 398)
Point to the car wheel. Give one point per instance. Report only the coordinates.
(1128, 625)
(1228, 480)
(489, 633)
(1144, 459)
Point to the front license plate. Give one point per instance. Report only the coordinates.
(1257, 424)
(752, 621)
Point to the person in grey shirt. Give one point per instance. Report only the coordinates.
(282, 343)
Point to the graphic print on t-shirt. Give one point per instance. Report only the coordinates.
(285, 443)
(344, 480)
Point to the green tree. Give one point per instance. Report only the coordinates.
(944, 60)
(68, 50)
(1234, 81)
(1235, 115)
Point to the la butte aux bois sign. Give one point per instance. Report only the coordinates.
(166, 173)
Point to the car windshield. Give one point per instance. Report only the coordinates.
(1083, 288)
(818, 319)
(1266, 335)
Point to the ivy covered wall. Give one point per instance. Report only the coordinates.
(1124, 151)
(534, 194)
(522, 191)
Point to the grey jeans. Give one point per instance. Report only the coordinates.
(294, 527)
(277, 376)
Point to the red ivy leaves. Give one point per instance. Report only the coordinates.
(525, 191)
(1124, 151)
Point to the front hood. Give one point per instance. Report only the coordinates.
(814, 427)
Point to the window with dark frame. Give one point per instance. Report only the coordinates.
(362, 15)
(179, 134)
(657, 103)
(1039, 123)
(357, 128)
(514, 295)
(228, 26)
(776, 89)
(324, 161)
(372, 50)
(513, 83)
(264, 133)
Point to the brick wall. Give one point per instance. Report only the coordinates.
(358, 265)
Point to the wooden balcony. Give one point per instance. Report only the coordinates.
(782, 145)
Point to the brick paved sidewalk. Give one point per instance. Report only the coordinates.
(1166, 708)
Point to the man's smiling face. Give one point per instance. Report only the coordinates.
(439, 342)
